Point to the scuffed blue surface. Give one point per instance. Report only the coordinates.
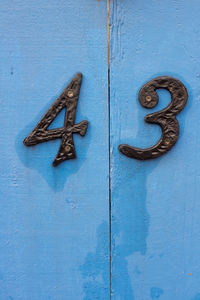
(197, 297)
(97, 283)
(156, 292)
(49, 216)
(155, 203)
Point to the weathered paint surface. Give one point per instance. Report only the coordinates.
(155, 203)
(54, 231)
(54, 222)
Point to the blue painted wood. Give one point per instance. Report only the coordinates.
(54, 222)
(155, 203)
(54, 231)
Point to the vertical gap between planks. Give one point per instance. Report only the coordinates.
(109, 144)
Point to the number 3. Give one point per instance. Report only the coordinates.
(166, 118)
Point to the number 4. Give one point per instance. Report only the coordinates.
(68, 99)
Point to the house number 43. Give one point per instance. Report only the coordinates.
(148, 98)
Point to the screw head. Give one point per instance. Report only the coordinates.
(70, 94)
(167, 142)
(148, 98)
(67, 148)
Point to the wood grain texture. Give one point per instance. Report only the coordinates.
(54, 223)
(155, 203)
(54, 231)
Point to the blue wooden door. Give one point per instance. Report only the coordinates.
(101, 226)
(54, 225)
(154, 203)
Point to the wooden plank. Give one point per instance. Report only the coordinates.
(155, 203)
(54, 225)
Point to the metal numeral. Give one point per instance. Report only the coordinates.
(166, 118)
(68, 99)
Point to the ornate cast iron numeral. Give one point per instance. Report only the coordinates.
(166, 118)
(68, 99)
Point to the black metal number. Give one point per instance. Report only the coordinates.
(68, 99)
(166, 118)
